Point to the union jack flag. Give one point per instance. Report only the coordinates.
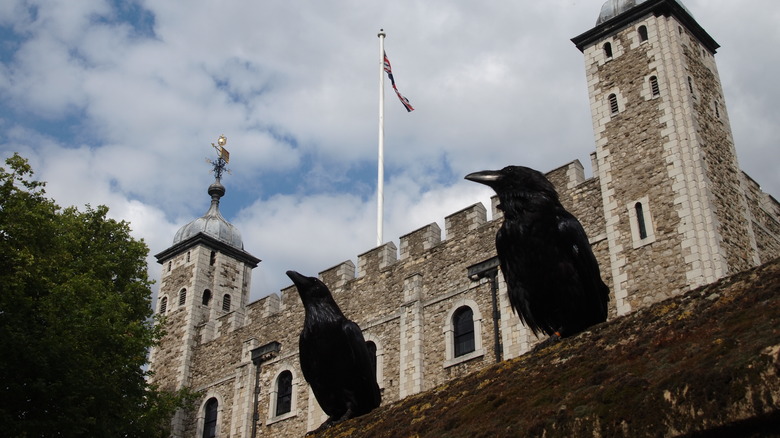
(389, 72)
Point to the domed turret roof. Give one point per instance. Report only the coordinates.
(613, 8)
(212, 223)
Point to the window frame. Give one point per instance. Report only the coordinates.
(273, 399)
(163, 305)
(449, 334)
(614, 104)
(463, 331)
(285, 395)
(643, 35)
(207, 411)
(655, 87)
(637, 223)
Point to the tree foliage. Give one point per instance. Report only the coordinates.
(75, 320)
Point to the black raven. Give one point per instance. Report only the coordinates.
(552, 276)
(334, 357)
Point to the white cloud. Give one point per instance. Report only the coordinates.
(110, 112)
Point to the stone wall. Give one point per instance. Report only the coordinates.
(402, 299)
(664, 160)
(764, 212)
(631, 145)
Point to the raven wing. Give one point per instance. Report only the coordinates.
(365, 385)
(551, 273)
(589, 300)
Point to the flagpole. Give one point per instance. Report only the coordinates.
(381, 159)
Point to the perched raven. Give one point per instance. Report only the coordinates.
(334, 356)
(552, 277)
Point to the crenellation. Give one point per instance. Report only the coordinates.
(461, 223)
(495, 211)
(288, 297)
(420, 240)
(568, 176)
(337, 276)
(375, 260)
(271, 305)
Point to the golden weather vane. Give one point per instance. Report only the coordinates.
(223, 157)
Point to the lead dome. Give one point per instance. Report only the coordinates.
(212, 223)
(613, 8)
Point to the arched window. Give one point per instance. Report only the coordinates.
(169, 265)
(210, 419)
(226, 303)
(463, 331)
(372, 354)
(613, 104)
(206, 297)
(642, 33)
(640, 220)
(164, 305)
(608, 50)
(283, 393)
(188, 256)
(182, 297)
(213, 258)
(654, 86)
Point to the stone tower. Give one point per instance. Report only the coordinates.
(206, 274)
(675, 206)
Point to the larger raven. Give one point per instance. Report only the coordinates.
(334, 356)
(552, 276)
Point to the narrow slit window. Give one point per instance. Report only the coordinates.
(372, 354)
(210, 419)
(654, 86)
(213, 258)
(613, 104)
(284, 393)
(717, 109)
(642, 33)
(690, 84)
(640, 220)
(226, 303)
(608, 50)
(182, 297)
(169, 266)
(188, 256)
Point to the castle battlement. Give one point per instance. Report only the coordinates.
(666, 210)
(414, 244)
(376, 259)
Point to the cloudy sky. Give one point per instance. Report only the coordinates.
(117, 102)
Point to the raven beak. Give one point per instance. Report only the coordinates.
(487, 177)
(297, 278)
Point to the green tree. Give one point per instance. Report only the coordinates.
(75, 320)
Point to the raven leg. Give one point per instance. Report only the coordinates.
(331, 421)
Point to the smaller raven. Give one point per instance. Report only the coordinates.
(334, 357)
(552, 276)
